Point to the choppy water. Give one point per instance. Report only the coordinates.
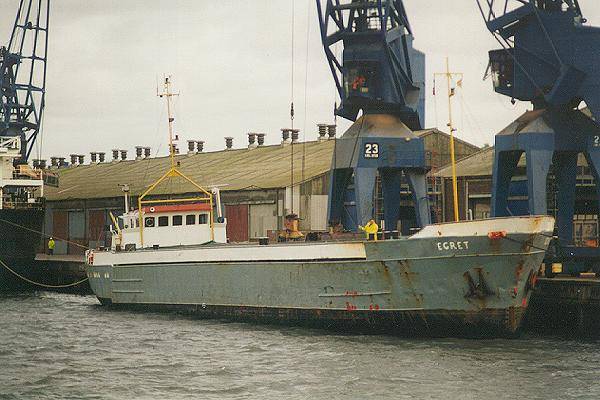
(67, 346)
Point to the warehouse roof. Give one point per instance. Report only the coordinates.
(435, 131)
(265, 167)
(477, 164)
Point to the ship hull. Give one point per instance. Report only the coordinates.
(451, 284)
(19, 242)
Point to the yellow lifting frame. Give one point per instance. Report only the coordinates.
(174, 172)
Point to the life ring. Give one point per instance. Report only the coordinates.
(152, 209)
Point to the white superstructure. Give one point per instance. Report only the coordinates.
(30, 181)
(168, 226)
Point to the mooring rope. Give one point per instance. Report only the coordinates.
(41, 284)
(43, 234)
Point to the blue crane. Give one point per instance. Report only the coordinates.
(23, 75)
(549, 57)
(379, 73)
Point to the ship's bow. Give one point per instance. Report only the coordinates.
(480, 274)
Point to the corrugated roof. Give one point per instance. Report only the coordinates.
(265, 167)
(436, 131)
(477, 164)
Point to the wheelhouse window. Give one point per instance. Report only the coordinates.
(190, 219)
(163, 221)
(177, 220)
(203, 219)
(149, 222)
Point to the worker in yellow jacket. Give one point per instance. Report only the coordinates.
(371, 228)
(51, 245)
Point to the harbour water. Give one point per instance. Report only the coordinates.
(56, 346)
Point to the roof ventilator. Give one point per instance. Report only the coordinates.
(260, 138)
(331, 131)
(191, 147)
(322, 132)
(252, 140)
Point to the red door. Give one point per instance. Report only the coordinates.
(97, 221)
(237, 222)
(60, 231)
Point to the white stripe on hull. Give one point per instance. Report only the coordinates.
(318, 251)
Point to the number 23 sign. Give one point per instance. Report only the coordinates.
(371, 150)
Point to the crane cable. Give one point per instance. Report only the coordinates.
(292, 115)
(305, 93)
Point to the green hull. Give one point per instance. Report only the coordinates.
(425, 286)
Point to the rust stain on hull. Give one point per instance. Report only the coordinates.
(431, 323)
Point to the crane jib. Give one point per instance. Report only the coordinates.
(23, 75)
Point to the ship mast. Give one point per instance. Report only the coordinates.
(173, 172)
(168, 94)
(449, 77)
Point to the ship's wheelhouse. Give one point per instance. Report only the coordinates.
(170, 225)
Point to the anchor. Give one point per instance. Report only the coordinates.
(478, 290)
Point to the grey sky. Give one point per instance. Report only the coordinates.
(231, 63)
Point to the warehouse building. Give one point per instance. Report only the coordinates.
(255, 183)
(474, 181)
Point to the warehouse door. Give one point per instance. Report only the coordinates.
(237, 222)
(318, 212)
(263, 218)
(96, 234)
(60, 230)
(76, 232)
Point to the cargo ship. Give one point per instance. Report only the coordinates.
(21, 215)
(23, 61)
(470, 278)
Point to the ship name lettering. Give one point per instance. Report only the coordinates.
(459, 245)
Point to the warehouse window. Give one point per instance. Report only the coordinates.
(190, 219)
(203, 219)
(163, 221)
(177, 220)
